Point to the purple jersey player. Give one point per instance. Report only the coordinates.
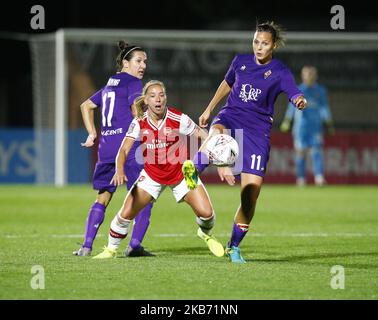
(116, 101)
(252, 83)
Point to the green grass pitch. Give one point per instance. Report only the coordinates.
(297, 236)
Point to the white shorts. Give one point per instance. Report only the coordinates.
(155, 189)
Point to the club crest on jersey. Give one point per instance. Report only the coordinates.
(248, 92)
(167, 131)
(267, 74)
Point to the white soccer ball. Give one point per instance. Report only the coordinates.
(222, 150)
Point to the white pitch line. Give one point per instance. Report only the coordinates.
(284, 235)
(224, 234)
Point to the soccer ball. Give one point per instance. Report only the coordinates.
(222, 150)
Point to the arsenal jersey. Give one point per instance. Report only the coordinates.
(164, 144)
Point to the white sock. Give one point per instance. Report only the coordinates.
(119, 228)
(206, 224)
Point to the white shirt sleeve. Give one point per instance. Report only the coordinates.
(187, 125)
(134, 130)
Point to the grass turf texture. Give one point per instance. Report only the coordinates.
(297, 235)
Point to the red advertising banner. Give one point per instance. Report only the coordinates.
(349, 158)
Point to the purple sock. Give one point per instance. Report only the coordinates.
(141, 223)
(95, 218)
(239, 230)
(201, 161)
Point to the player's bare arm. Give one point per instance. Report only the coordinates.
(120, 176)
(200, 133)
(134, 111)
(222, 91)
(87, 112)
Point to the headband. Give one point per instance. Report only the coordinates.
(130, 51)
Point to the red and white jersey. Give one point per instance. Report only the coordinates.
(164, 144)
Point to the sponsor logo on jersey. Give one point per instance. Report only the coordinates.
(248, 92)
(242, 68)
(159, 144)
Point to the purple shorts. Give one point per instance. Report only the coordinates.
(104, 172)
(254, 146)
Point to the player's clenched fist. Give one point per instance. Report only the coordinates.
(300, 102)
(204, 119)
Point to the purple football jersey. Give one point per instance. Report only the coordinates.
(254, 90)
(115, 100)
(250, 107)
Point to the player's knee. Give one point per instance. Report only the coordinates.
(206, 214)
(206, 211)
(104, 197)
(250, 193)
(126, 212)
(300, 153)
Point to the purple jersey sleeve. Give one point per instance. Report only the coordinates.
(230, 75)
(135, 90)
(289, 86)
(96, 98)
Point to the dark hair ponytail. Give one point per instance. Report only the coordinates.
(126, 53)
(122, 45)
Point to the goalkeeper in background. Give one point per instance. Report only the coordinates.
(308, 126)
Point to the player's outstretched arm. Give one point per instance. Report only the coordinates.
(120, 176)
(222, 91)
(200, 133)
(87, 112)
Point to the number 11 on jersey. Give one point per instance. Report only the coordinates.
(254, 162)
